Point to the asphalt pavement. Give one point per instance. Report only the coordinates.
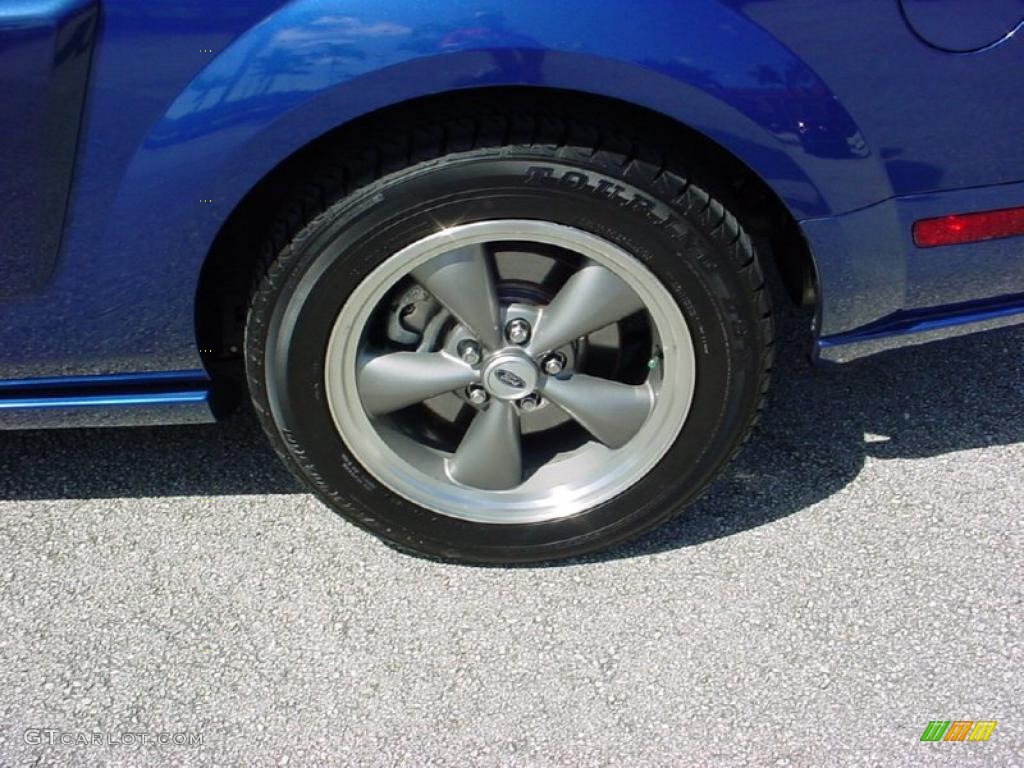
(170, 596)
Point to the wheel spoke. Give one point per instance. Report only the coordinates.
(463, 281)
(612, 412)
(591, 299)
(389, 382)
(489, 456)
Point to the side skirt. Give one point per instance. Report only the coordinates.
(118, 400)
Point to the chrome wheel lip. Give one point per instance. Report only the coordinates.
(546, 495)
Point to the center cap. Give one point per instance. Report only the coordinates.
(510, 376)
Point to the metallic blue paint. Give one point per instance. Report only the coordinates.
(166, 397)
(918, 321)
(870, 268)
(45, 49)
(108, 410)
(856, 123)
(110, 380)
(922, 326)
(964, 25)
(95, 401)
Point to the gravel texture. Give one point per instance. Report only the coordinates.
(856, 574)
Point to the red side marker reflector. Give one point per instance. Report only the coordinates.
(969, 227)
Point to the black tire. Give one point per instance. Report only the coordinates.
(369, 204)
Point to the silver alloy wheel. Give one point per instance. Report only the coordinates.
(487, 476)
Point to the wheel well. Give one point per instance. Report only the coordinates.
(233, 263)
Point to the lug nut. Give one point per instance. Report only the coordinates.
(518, 331)
(469, 351)
(529, 403)
(554, 364)
(477, 395)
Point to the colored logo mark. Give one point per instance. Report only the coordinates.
(958, 730)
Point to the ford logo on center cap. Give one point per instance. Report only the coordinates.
(510, 379)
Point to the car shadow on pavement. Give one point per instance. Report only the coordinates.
(817, 430)
(821, 424)
(232, 457)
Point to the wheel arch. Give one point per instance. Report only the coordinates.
(762, 113)
(233, 262)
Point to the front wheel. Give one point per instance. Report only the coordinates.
(514, 353)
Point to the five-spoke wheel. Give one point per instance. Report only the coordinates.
(508, 352)
(494, 324)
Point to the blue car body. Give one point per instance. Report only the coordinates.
(131, 130)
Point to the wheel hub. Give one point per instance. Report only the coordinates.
(510, 375)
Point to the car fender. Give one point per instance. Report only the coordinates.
(303, 71)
